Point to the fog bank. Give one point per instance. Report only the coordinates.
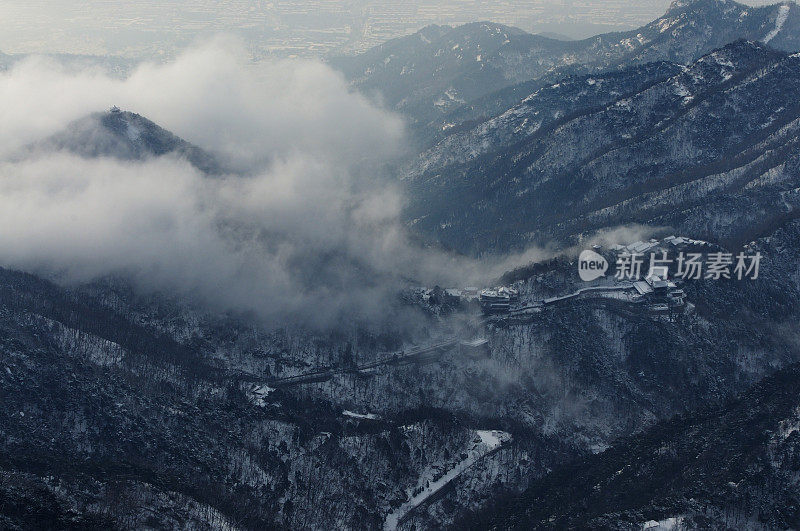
(307, 229)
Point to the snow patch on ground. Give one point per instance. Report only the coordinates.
(363, 416)
(723, 61)
(665, 24)
(623, 104)
(598, 448)
(789, 426)
(663, 525)
(257, 394)
(783, 14)
(493, 439)
(682, 91)
(450, 96)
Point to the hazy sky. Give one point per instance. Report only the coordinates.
(148, 28)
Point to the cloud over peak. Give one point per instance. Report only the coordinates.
(307, 228)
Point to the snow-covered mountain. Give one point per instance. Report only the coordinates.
(440, 70)
(128, 411)
(731, 466)
(709, 149)
(123, 408)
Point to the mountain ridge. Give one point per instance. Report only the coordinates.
(632, 157)
(431, 74)
(729, 465)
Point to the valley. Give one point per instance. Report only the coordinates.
(441, 283)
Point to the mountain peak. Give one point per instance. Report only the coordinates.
(125, 135)
(677, 5)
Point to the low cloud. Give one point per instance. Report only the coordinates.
(213, 96)
(623, 235)
(306, 229)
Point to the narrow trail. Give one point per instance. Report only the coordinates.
(490, 441)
